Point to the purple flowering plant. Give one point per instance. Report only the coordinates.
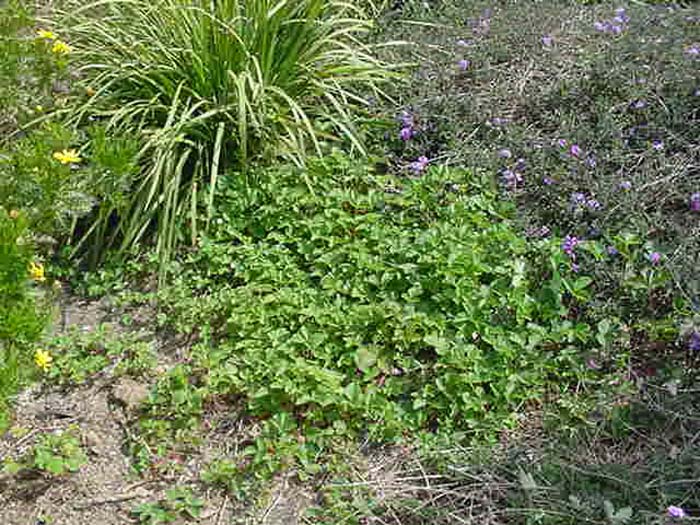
(676, 512)
(695, 202)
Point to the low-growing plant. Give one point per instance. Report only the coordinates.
(169, 419)
(179, 503)
(77, 355)
(59, 453)
(598, 476)
(374, 305)
(53, 453)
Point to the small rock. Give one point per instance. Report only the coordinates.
(130, 393)
(93, 441)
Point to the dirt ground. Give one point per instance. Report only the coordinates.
(105, 490)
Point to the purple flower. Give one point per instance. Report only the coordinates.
(504, 153)
(578, 198)
(499, 121)
(612, 251)
(511, 179)
(562, 143)
(626, 185)
(654, 258)
(406, 133)
(406, 119)
(520, 165)
(575, 150)
(695, 202)
(615, 29)
(575, 267)
(621, 16)
(694, 341)
(547, 181)
(419, 165)
(543, 231)
(547, 40)
(676, 512)
(693, 50)
(658, 145)
(462, 43)
(639, 104)
(569, 245)
(463, 64)
(599, 26)
(591, 162)
(593, 204)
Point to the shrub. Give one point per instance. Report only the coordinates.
(618, 88)
(23, 312)
(31, 75)
(62, 198)
(206, 85)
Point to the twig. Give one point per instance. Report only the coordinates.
(105, 501)
(220, 512)
(271, 506)
(24, 439)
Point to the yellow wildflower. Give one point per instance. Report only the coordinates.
(67, 156)
(36, 272)
(60, 48)
(46, 35)
(43, 359)
(89, 91)
(14, 214)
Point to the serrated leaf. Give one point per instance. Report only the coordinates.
(439, 343)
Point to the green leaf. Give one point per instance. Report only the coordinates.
(440, 344)
(365, 358)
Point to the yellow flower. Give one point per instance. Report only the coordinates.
(14, 214)
(60, 48)
(46, 35)
(43, 359)
(67, 156)
(89, 91)
(36, 272)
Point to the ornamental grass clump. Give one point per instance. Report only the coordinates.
(208, 86)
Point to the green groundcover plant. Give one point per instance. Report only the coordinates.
(372, 305)
(207, 85)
